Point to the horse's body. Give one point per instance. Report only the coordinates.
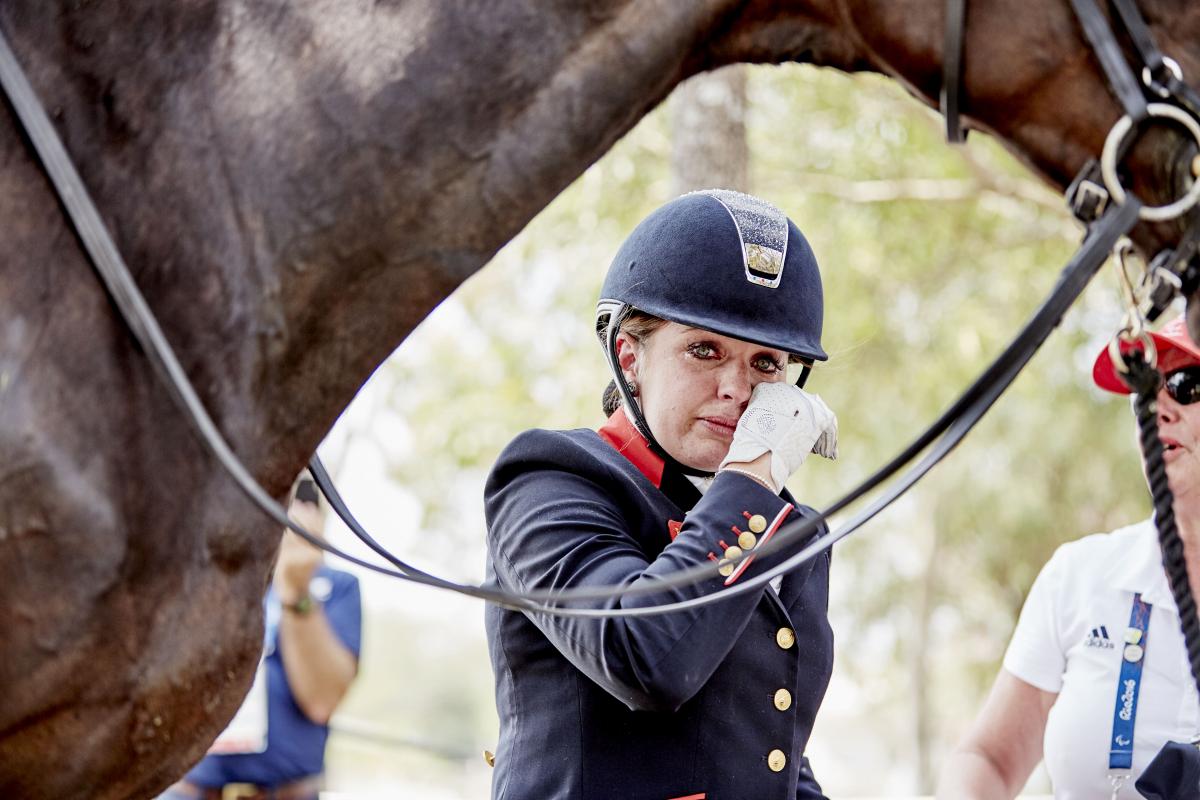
(295, 185)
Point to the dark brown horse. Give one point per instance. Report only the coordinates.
(295, 184)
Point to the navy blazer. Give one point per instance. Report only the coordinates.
(715, 703)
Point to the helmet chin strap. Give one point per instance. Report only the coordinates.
(629, 403)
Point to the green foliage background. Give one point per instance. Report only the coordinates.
(932, 257)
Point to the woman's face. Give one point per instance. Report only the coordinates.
(1179, 429)
(694, 385)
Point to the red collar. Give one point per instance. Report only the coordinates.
(625, 439)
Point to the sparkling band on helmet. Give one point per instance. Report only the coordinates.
(763, 231)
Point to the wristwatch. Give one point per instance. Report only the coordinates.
(303, 606)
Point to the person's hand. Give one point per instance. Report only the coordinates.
(787, 422)
(298, 559)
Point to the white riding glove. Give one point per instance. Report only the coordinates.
(787, 422)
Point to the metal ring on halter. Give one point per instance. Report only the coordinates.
(1128, 334)
(1112, 145)
(1158, 88)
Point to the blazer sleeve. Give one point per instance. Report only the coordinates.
(554, 523)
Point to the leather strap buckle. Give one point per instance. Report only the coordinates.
(1086, 196)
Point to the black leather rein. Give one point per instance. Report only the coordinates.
(938, 440)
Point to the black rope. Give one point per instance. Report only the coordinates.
(1144, 380)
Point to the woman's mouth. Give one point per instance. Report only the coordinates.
(1171, 448)
(721, 426)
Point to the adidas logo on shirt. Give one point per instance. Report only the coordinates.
(1099, 638)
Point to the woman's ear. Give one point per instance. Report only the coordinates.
(629, 351)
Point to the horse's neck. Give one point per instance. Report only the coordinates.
(333, 170)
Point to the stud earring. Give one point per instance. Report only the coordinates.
(633, 388)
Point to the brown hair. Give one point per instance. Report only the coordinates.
(639, 326)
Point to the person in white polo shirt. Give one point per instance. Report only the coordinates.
(1096, 678)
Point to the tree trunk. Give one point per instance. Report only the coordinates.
(708, 132)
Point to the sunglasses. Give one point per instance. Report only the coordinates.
(1183, 385)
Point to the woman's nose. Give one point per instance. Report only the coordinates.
(1168, 408)
(735, 383)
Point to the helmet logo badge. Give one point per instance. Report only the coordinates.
(763, 233)
(763, 261)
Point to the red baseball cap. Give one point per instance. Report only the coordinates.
(1173, 336)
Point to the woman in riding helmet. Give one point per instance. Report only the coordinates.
(703, 308)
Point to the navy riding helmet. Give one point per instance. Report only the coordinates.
(722, 261)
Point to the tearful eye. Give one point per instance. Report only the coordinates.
(767, 364)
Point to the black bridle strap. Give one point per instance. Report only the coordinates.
(1112, 60)
(1181, 93)
(952, 50)
(1166, 79)
(1103, 41)
(1139, 35)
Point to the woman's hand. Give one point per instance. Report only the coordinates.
(786, 422)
